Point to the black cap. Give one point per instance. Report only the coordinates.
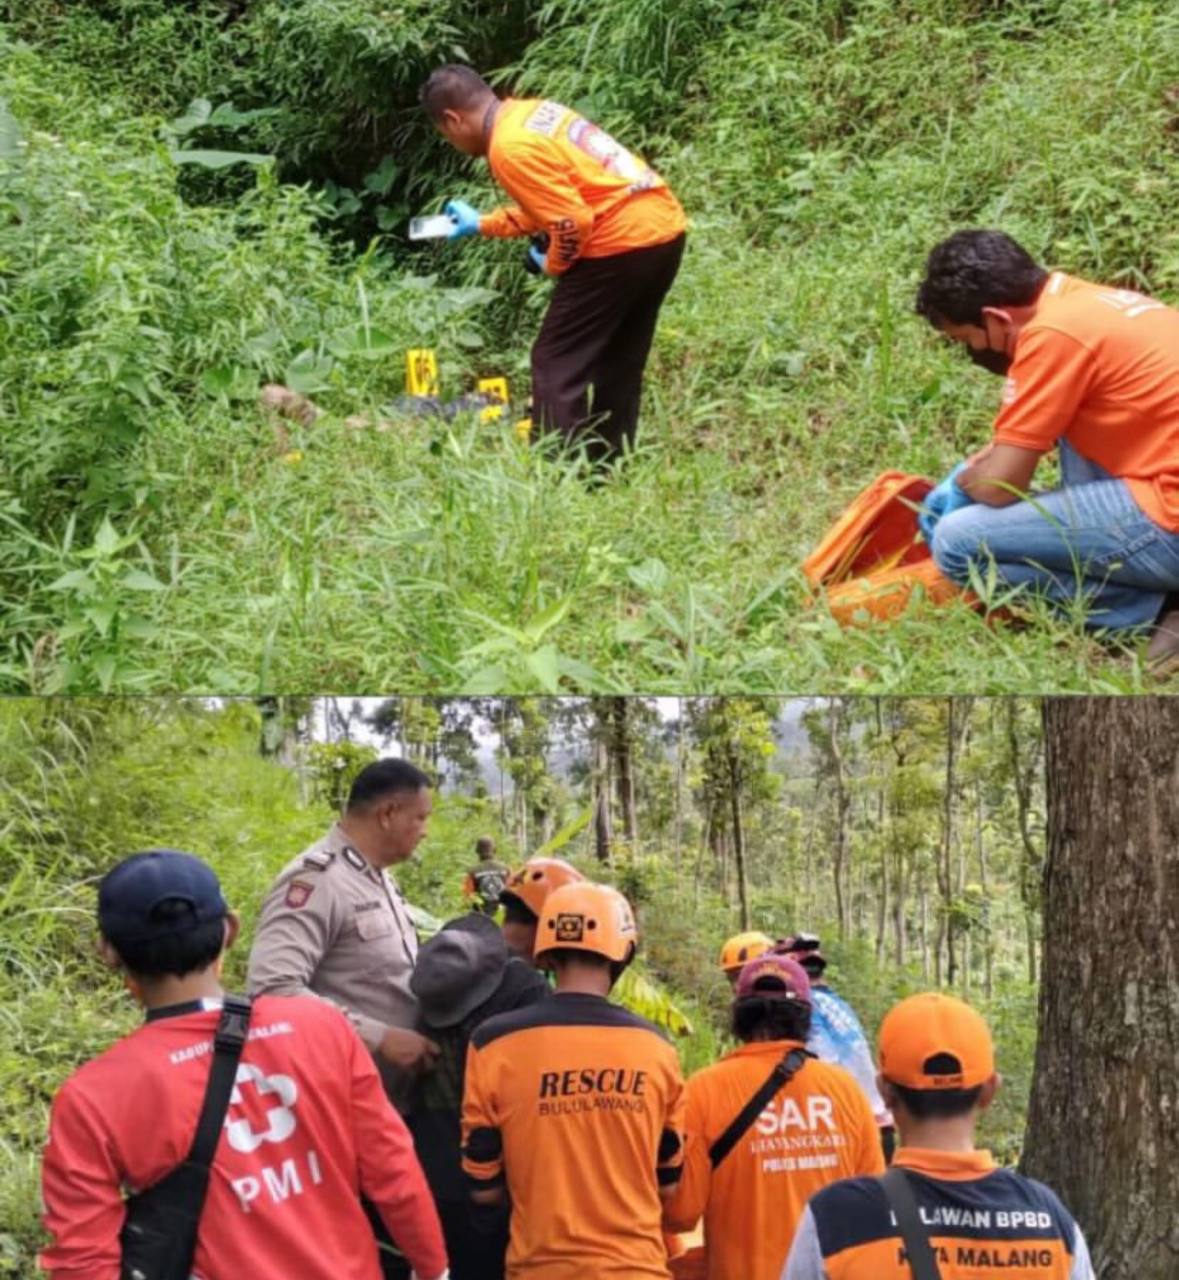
(130, 892)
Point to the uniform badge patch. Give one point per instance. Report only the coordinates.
(570, 928)
(298, 891)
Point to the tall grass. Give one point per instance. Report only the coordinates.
(156, 533)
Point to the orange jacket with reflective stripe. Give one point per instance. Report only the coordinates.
(572, 180)
(982, 1221)
(576, 1104)
(815, 1130)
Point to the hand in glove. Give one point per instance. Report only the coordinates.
(947, 497)
(538, 251)
(466, 219)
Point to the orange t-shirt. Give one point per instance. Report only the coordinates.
(815, 1130)
(982, 1221)
(578, 1104)
(569, 178)
(1099, 368)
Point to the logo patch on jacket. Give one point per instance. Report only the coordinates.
(546, 119)
(298, 891)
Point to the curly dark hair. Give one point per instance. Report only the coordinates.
(975, 269)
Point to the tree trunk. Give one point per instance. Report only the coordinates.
(739, 838)
(1103, 1125)
(603, 833)
(679, 786)
(984, 881)
(620, 744)
(842, 805)
(1023, 770)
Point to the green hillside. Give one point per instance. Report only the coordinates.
(200, 198)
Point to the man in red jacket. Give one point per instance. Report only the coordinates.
(308, 1129)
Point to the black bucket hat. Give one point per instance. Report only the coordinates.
(458, 969)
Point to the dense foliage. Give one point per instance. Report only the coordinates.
(83, 782)
(199, 197)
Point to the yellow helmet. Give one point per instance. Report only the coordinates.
(743, 947)
(588, 917)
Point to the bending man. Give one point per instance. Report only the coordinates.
(602, 220)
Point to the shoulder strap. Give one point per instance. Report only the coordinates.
(902, 1201)
(783, 1072)
(228, 1043)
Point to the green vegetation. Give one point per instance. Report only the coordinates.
(157, 532)
(916, 866)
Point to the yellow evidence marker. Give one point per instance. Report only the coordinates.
(421, 372)
(498, 389)
(523, 428)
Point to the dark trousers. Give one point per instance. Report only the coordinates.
(589, 357)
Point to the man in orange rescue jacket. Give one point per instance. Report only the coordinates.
(937, 1075)
(600, 218)
(572, 1107)
(767, 1126)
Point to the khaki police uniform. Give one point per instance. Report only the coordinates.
(336, 926)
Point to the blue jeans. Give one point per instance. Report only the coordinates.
(1088, 540)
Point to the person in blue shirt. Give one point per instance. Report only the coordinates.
(836, 1034)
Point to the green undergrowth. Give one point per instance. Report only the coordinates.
(157, 532)
(87, 782)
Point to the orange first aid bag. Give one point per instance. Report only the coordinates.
(874, 557)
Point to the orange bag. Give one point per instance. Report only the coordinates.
(874, 555)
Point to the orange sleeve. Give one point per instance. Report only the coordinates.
(539, 182)
(503, 224)
(686, 1206)
(1047, 382)
(468, 885)
(483, 1151)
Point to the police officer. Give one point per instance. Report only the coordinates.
(335, 923)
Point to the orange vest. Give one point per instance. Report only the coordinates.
(573, 181)
(982, 1220)
(817, 1129)
(577, 1104)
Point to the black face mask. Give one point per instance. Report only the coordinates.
(992, 361)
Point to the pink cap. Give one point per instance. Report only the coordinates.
(780, 975)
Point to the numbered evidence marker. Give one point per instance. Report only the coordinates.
(523, 428)
(497, 388)
(421, 372)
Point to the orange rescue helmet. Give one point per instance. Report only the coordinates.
(536, 879)
(743, 947)
(588, 917)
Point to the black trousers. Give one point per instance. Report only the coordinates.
(589, 357)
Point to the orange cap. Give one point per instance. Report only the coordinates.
(588, 917)
(927, 1026)
(537, 878)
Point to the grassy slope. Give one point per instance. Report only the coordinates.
(181, 775)
(819, 163)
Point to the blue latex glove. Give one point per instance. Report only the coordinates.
(941, 501)
(465, 217)
(536, 259)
